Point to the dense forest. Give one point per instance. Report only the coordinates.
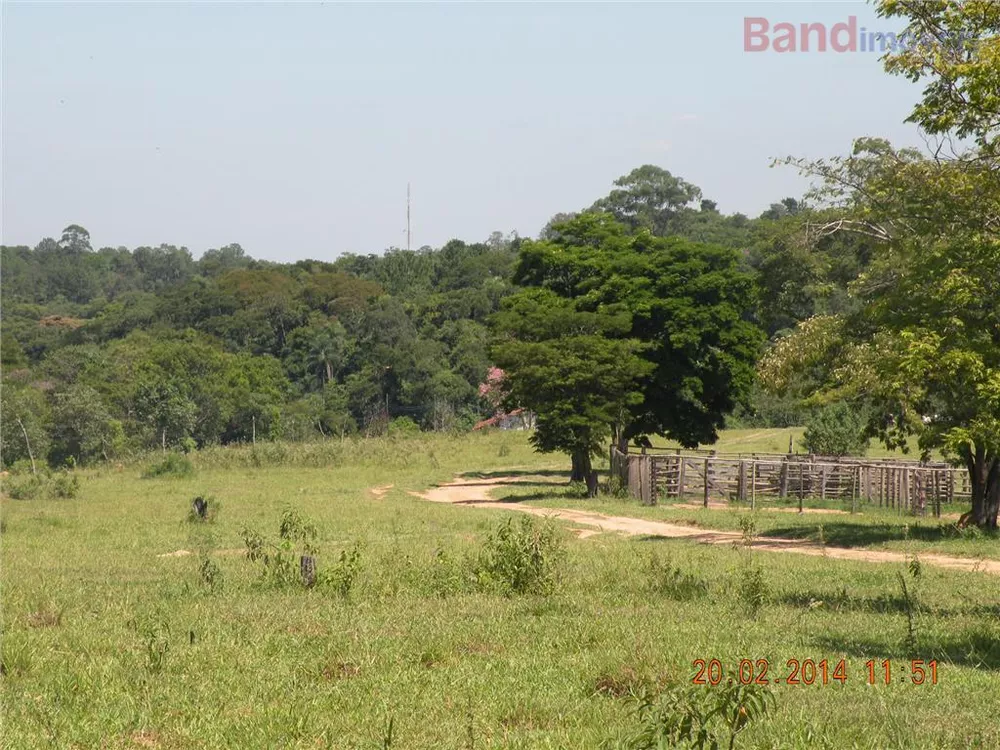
(111, 351)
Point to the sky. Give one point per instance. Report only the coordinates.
(293, 129)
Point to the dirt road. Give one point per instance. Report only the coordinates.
(475, 493)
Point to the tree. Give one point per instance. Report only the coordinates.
(956, 52)
(924, 347)
(24, 423)
(572, 368)
(75, 239)
(648, 197)
(215, 262)
(315, 353)
(83, 427)
(678, 350)
(836, 430)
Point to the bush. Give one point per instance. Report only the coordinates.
(691, 716)
(172, 465)
(44, 485)
(25, 486)
(836, 430)
(403, 427)
(521, 558)
(64, 485)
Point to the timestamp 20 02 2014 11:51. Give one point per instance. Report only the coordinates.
(810, 672)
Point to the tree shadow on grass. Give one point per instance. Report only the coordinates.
(844, 534)
(841, 601)
(550, 495)
(978, 649)
(515, 473)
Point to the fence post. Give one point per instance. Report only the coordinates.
(753, 485)
(783, 477)
(680, 478)
(802, 484)
(705, 500)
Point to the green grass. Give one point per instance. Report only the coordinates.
(775, 440)
(105, 644)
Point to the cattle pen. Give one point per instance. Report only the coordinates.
(659, 474)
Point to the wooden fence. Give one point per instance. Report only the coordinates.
(904, 485)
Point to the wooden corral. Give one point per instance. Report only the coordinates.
(910, 486)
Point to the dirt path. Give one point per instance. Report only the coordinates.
(474, 493)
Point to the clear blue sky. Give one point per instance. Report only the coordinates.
(294, 129)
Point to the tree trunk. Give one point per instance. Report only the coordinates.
(581, 466)
(27, 444)
(329, 371)
(619, 438)
(984, 473)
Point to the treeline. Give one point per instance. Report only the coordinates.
(113, 350)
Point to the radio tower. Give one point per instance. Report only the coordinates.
(407, 216)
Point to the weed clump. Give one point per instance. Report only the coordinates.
(342, 576)
(448, 575)
(521, 558)
(171, 465)
(209, 572)
(291, 559)
(204, 509)
(668, 580)
(280, 560)
(625, 682)
(752, 588)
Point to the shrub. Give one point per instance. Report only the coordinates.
(752, 589)
(403, 427)
(44, 485)
(836, 430)
(64, 485)
(521, 558)
(209, 572)
(343, 575)
(280, 560)
(691, 716)
(25, 486)
(171, 465)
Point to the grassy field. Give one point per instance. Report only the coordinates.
(775, 440)
(109, 644)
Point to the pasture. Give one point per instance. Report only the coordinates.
(114, 637)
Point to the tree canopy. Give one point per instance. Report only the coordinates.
(623, 335)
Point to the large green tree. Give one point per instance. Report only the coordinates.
(674, 314)
(923, 349)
